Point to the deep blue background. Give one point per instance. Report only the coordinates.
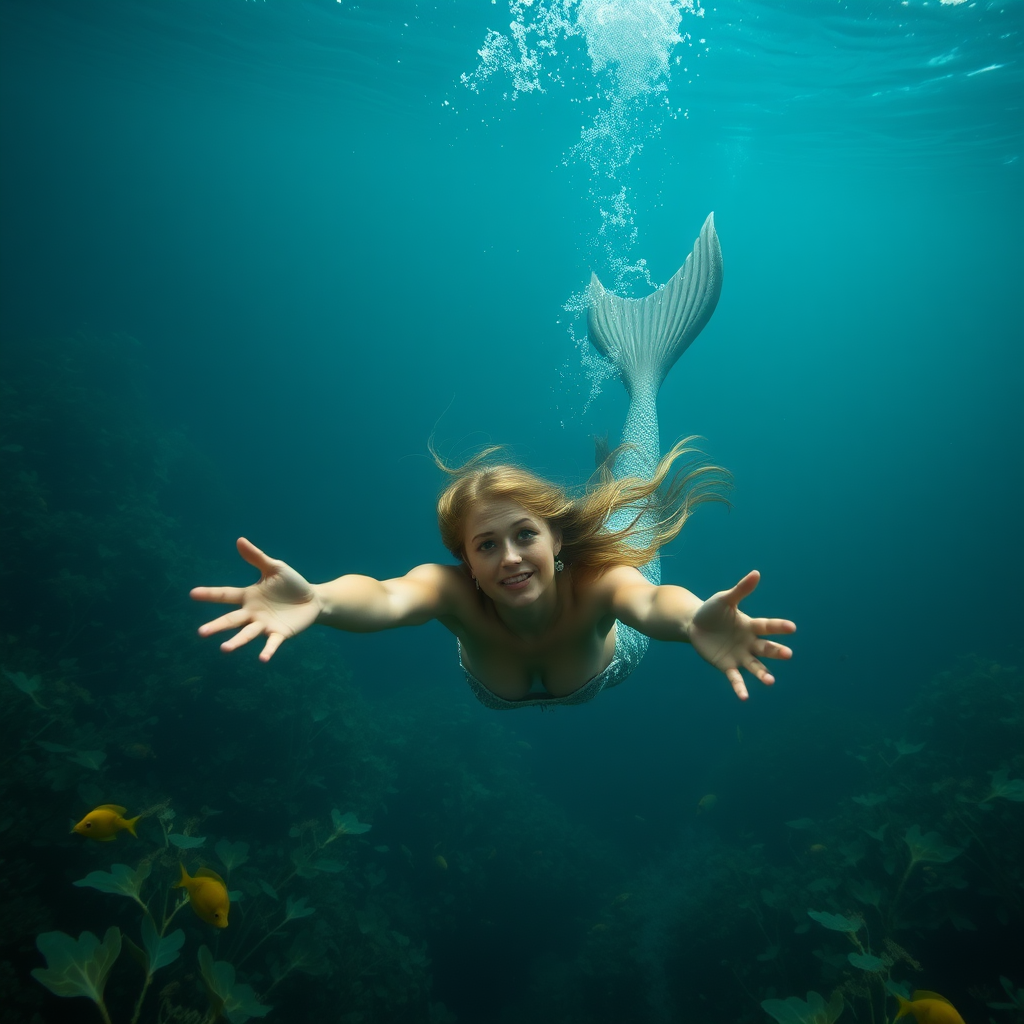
(326, 263)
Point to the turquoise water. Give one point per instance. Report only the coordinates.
(255, 254)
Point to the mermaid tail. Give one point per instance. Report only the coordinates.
(644, 338)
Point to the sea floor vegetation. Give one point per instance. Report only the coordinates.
(394, 862)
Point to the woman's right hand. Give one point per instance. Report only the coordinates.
(281, 605)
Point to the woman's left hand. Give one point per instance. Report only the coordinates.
(730, 640)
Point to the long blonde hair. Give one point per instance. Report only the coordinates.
(587, 543)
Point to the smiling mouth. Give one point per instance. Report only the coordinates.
(515, 581)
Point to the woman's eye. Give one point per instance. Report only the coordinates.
(487, 545)
(527, 534)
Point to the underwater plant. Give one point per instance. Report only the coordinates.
(812, 1011)
(78, 967)
(236, 1001)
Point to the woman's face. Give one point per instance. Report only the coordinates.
(510, 552)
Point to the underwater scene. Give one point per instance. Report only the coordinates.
(279, 270)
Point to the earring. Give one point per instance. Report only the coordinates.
(477, 582)
(559, 565)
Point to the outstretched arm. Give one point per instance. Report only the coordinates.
(282, 603)
(720, 633)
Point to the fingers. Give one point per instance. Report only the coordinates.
(219, 595)
(243, 636)
(254, 556)
(770, 649)
(230, 620)
(273, 642)
(736, 682)
(772, 627)
(758, 671)
(745, 587)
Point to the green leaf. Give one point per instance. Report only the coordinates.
(929, 847)
(295, 909)
(236, 1001)
(268, 889)
(27, 684)
(308, 954)
(330, 866)
(89, 759)
(348, 823)
(302, 866)
(121, 880)
(232, 854)
(814, 1011)
(1016, 998)
(161, 951)
(870, 799)
(185, 842)
(866, 892)
(903, 748)
(836, 922)
(866, 962)
(1005, 787)
(77, 967)
(54, 748)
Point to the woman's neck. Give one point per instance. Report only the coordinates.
(535, 619)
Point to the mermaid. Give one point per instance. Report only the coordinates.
(554, 597)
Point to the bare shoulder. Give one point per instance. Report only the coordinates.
(445, 587)
(435, 573)
(604, 590)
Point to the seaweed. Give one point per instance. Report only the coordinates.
(78, 967)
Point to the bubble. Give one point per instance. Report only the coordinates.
(624, 48)
(633, 39)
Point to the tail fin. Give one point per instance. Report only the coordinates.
(644, 337)
(183, 883)
(130, 825)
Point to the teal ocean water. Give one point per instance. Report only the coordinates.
(254, 255)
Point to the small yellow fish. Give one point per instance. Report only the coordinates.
(440, 862)
(599, 928)
(104, 822)
(707, 802)
(621, 898)
(817, 848)
(208, 895)
(928, 1008)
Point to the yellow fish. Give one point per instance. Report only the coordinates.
(208, 895)
(928, 1008)
(104, 822)
(705, 803)
(440, 862)
(817, 848)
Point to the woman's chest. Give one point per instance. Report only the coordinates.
(561, 661)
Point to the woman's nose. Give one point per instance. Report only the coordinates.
(511, 555)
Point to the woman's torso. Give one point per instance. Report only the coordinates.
(578, 645)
